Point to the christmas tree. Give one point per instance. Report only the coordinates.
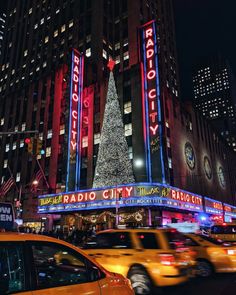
(113, 164)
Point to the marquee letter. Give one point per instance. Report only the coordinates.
(152, 93)
(154, 129)
(150, 53)
(149, 43)
(151, 74)
(148, 33)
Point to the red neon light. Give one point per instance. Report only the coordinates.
(185, 197)
(74, 104)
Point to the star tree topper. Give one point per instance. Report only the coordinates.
(111, 64)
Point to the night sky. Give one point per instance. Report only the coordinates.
(203, 27)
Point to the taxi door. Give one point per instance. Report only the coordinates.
(62, 270)
(92, 288)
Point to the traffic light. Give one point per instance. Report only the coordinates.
(30, 145)
(39, 145)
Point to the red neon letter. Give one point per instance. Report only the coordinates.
(153, 117)
(148, 33)
(75, 97)
(76, 59)
(152, 93)
(154, 129)
(149, 43)
(75, 115)
(151, 74)
(150, 53)
(76, 69)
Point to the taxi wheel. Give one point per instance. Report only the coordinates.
(140, 281)
(204, 268)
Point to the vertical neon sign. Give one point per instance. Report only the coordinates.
(152, 121)
(74, 132)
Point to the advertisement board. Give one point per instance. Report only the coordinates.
(6, 216)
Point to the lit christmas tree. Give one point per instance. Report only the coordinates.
(113, 164)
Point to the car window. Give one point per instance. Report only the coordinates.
(12, 268)
(191, 242)
(113, 240)
(211, 240)
(148, 240)
(223, 229)
(175, 239)
(58, 265)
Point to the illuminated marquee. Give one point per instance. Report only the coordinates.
(229, 210)
(213, 206)
(126, 196)
(151, 102)
(74, 137)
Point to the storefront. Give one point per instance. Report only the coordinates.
(140, 204)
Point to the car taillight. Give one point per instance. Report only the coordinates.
(167, 259)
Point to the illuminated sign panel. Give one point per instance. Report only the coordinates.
(132, 195)
(213, 206)
(74, 136)
(229, 210)
(151, 102)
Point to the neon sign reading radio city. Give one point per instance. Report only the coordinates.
(151, 103)
(76, 88)
(151, 75)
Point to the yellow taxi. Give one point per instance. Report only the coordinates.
(225, 231)
(212, 255)
(39, 265)
(148, 257)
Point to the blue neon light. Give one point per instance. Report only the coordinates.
(68, 158)
(78, 155)
(146, 114)
(159, 106)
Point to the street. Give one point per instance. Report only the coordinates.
(219, 284)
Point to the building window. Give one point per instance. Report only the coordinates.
(44, 64)
(84, 141)
(48, 151)
(128, 129)
(63, 28)
(25, 52)
(127, 107)
(71, 23)
(96, 138)
(30, 10)
(7, 148)
(49, 135)
(17, 176)
(21, 143)
(104, 53)
(62, 129)
(117, 46)
(88, 52)
(170, 163)
(46, 39)
(117, 59)
(5, 163)
(2, 121)
(130, 152)
(55, 34)
(14, 145)
(126, 55)
(41, 21)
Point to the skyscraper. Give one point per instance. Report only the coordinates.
(214, 87)
(54, 80)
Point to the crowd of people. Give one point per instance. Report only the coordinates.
(74, 236)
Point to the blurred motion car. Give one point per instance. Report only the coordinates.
(225, 231)
(40, 265)
(148, 257)
(212, 255)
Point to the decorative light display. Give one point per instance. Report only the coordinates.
(152, 125)
(113, 165)
(74, 137)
